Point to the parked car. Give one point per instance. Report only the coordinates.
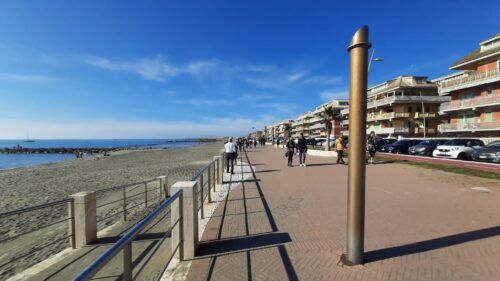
(425, 147)
(381, 142)
(489, 153)
(400, 146)
(458, 149)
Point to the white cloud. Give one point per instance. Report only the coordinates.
(321, 79)
(332, 94)
(287, 108)
(22, 77)
(112, 129)
(296, 76)
(203, 102)
(157, 68)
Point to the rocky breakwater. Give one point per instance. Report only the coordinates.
(55, 150)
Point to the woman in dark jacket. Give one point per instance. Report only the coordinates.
(290, 150)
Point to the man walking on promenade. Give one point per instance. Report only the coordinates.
(230, 151)
(339, 146)
(302, 147)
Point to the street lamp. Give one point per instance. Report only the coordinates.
(423, 111)
(373, 59)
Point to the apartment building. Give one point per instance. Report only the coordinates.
(474, 109)
(405, 106)
(301, 125)
(316, 123)
(280, 130)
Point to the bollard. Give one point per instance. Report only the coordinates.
(189, 206)
(220, 169)
(85, 223)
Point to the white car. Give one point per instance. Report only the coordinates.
(458, 149)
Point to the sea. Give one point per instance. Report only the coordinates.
(10, 161)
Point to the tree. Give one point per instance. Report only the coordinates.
(287, 131)
(327, 119)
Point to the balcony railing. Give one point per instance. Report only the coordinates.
(461, 127)
(388, 115)
(402, 99)
(469, 79)
(428, 131)
(426, 115)
(470, 103)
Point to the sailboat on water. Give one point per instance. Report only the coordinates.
(28, 138)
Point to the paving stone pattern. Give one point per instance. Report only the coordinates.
(288, 223)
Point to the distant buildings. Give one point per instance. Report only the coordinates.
(474, 109)
(280, 130)
(466, 103)
(404, 106)
(311, 123)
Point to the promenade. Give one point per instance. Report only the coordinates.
(286, 223)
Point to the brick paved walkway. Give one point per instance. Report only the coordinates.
(289, 224)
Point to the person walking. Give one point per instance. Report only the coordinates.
(290, 150)
(230, 152)
(339, 146)
(302, 147)
(370, 146)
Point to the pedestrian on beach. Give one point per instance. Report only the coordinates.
(339, 146)
(230, 152)
(302, 147)
(290, 150)
(370, 147)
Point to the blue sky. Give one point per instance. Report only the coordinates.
(163, 69)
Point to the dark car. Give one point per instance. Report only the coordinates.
(401, 146)
(425, 147)
(381, 142)
(489, 153)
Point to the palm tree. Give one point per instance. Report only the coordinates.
(286, 131)
(327, 119)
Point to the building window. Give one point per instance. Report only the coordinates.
(488, 117)
(409, 109)
(489, 92)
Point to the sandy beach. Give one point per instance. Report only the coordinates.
(50, 182)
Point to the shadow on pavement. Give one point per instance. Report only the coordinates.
(246, 243)
(432, 244)
(267, 171)
(231, 245)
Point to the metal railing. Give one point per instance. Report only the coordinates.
(125, 243)
(469, 79)
(470, 103)
(126, 197)
(54, 214)
(402, 99)
(206, 179)
(483, 126)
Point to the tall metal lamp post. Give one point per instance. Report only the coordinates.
(373, 60)
(358, 50)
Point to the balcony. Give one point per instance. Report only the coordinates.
(469, 127)
(344, 122)
(468, 80)
(419, 115)
(493, 100)
(428, 131)
(388, 131)
(387, 116)
(402, 99)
